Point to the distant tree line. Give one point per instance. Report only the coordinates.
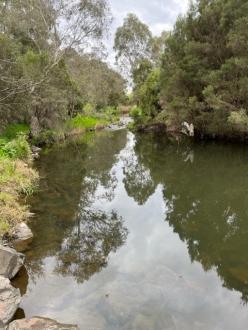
(50, 65)
(197, 73)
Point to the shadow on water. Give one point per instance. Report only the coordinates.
(108, 216)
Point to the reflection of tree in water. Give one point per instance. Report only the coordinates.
(86, 250)
(206, 199)
(137, 179)
(73, 177)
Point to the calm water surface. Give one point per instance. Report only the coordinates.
(135, 232)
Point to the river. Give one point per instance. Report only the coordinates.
(139, 232)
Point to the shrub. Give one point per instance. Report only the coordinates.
(137, 114)
(17, 148)
(48, 137)
(89, 109)
(13, 131)
(86, 122)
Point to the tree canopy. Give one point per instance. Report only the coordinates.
(203, 70)
(40, 41)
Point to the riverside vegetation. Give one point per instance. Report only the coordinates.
(197, 73)
(55, 82)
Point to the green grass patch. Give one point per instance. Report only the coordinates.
(17, 148)
(86, 122)
(12, 131)
(17, 178)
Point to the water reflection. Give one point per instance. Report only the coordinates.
(68, 225)
(205, 190)
(136, 232)
(85, 252)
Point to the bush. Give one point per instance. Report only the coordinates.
(136, 112)
(48, 137)
(13, 131)
(89, 109)
(138, 116)
(17, 148)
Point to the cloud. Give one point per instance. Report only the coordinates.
(152, 12)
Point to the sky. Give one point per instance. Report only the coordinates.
(159, 15)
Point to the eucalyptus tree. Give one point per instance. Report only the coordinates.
(133, 43)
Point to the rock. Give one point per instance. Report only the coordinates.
(35, 149)
(23, 236)
(10, 262)
(22, 232)
(10, 299)
(188, 129)
(39, 323)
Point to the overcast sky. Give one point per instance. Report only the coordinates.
(160, 15)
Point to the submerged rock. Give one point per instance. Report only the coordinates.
(10, 262)
(39, 323)
(23, 236)
(10, 299)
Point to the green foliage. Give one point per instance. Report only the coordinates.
(43, 79)
(17, 148)
(48, 137)
(13, 130)
(137, 115)
(86, 122)
(205, 69)
(16, 177)
(88, 109)
(111, 114)
(133, 42)
(98, 84)
(148, 94)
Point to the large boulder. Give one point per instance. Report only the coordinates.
(10, 262)
(39, 323)
(22, 236)
(10, 299)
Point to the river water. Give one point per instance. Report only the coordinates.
(139, 232)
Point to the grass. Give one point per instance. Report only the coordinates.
(17, 178)
(12, 131)
(86, 122)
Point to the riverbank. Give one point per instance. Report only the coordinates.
(17, 180)
(147, 126)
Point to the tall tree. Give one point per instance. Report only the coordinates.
(133, 43)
